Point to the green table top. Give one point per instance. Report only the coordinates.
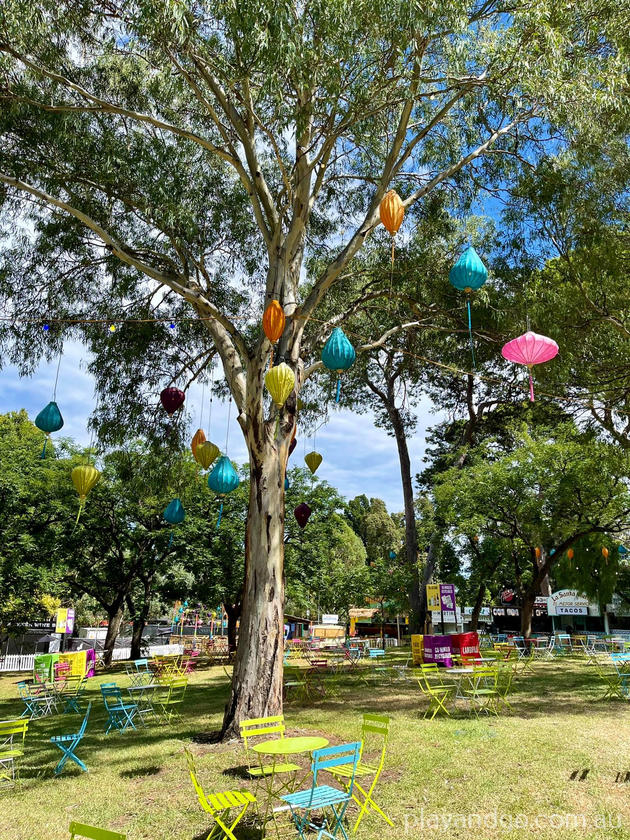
(288, 746)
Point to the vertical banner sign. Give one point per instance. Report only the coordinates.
(433, 596)
(60, 622)
(447, 597)
(69, 621)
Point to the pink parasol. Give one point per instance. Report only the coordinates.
(530, 349)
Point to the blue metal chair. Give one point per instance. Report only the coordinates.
(323, 797)
(120, 714)
(68, 744)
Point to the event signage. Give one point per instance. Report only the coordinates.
(331, 618)
(441, 597)
(64, 622)
(433, 597)
(567, 602)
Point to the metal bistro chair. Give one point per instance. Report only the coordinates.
(12, 735)
(120, 714)
(38, 702)
(68, 744)
(324, 797)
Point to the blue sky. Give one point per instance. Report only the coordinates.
(358, 457)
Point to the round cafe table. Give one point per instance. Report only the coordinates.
(277, 748)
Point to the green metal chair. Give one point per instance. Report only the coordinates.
(264, 727)
(219, 805)
(168, 698)
(68, 744)
(12, 735)
(90, 832)
(374, 735)
(438, 696)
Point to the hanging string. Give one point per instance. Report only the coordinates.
(210, 406)
(57, 375)
(470, 335)
(203, 396)
(227, 431)
(220, 515)
(338, 389)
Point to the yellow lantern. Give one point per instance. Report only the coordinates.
(198, 438)
(207, 453)
(391, 211)
(84, 478)
(280, 381)
(313, 460)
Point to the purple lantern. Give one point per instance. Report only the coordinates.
(302, 514)
(172, 399)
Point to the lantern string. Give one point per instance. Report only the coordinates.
(227, 432)
(57, 375)
(210, 406)
(203, 396)
(470, 335)
(220, 515)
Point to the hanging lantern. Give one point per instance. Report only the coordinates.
(198, 438)
(84, 477)
(174, 512)
(207, 453)
(622, 550)
(292, 445)
(286, 484)
(468, 274)
(49, 420)
(302, 514)
(391, 211)
(172, 399)
(274, 321)
(537, 552)
(313, 460)
(530, 349)
(338, 355)
(280, 381)
(223, 479)
(605, 553)
(570, 554)
(392, 555)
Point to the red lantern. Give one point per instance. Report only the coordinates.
(273, 321)
(302, 514)
(172, 399)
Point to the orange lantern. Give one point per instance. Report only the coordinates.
(570, 554)
(537, 553)
(274, 321)
(392, 211)
(605, 553)
(198, 438)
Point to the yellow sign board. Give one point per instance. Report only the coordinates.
(433, 596)
(62, 616)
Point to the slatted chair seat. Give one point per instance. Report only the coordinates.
(12, 753)
(230, 799)
(363, 769)
(268, 769)
(320, 797)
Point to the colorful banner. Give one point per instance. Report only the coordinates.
(447, 597)
(64, 621)
(433, 596)
(438, 649)
(466, 644)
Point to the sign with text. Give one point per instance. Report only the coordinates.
(433, 596)
(567, 602)
(330, 618)
(441, 597)
(64, 621)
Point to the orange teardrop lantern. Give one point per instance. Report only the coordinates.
(392, 211)
(570, 554)
(605, 553)
(274, 321)
(537, 553)
(198, 438)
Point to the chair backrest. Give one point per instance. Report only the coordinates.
(111, 694)
(256, 727)
(193, 776)
(11, 728)
(90, 832)
(328, 757)
(141, 664)
(375, 653)
(177, 689)
(374, 729)
(85, 719)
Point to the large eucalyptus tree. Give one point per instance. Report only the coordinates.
(181, 159)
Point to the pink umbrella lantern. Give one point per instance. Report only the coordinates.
(530, 349)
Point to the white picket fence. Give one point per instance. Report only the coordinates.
(25, 662)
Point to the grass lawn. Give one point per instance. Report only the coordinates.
(557, 767)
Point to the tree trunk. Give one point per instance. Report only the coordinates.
(257, 678)
(416, 618)
(429, 569)
(140, 619)
(474, 620)
(527, 610)
(233, 612)
(115, 617)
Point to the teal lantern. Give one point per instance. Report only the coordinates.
(392, 555)
(338, 355)
(174, 513)
(223, 479)
(49, 420)
(286, 484)
(622, 550)
(468, 274)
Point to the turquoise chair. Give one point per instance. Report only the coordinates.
(68, 744)
(324, 797)
(120, 715)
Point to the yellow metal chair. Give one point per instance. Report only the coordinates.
(264, 727)
(374, 735)
(438, 695)
(219, 805)
(12, 734)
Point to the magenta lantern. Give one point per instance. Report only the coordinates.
(530, 349)
(172, 399)
(302, 514)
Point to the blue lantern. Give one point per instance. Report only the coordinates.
(468, 274)
(622, 550)
(223, 479)
(174, 513)
(49, 420)
(392, 555)
(286, 484)
(338, 355)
